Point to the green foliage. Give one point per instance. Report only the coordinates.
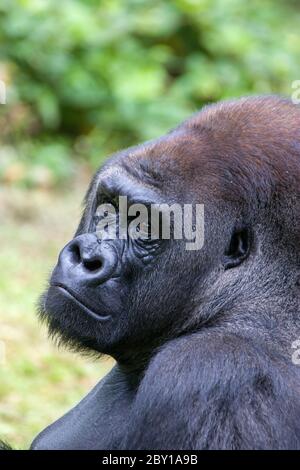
(108, 74)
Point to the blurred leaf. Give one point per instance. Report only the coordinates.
(115, 72)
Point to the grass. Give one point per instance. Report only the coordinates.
(38, 383)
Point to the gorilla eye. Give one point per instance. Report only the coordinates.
(141, 230)
(96, 219)
(145, 230)
(239, 248)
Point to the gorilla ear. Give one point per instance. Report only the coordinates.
(239, 248)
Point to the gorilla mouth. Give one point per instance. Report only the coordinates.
(67, 292)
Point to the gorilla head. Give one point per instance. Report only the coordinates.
(125, 297)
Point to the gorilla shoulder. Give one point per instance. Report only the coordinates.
(216, 390)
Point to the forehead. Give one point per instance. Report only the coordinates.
(169, 164)
(230, 151)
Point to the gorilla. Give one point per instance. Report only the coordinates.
(202, 339)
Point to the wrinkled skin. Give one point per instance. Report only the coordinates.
(202, 339)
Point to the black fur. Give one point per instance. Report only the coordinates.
(202, 339)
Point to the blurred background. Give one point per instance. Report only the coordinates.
(84, 78)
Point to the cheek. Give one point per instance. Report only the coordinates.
(112, 296)
(164, 289)
(156, 299)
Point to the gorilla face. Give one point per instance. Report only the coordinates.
(128, 296)
(119, 295)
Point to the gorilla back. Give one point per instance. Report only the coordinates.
(202, 339)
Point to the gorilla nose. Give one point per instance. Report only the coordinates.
(88, 260)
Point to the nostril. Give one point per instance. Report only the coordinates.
(75, 253)
(93, 265)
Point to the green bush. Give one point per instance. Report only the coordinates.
(100, 75)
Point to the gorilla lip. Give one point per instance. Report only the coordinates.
(66, 291)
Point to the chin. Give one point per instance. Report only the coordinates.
(71, 325)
